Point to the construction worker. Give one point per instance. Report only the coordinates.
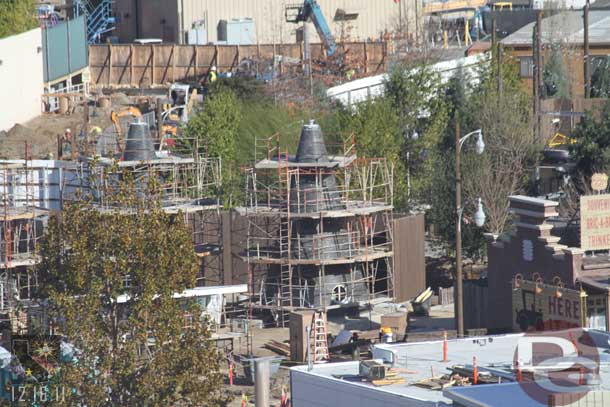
(95, 131)
(212, 75)
(66, 142)
(350, 74)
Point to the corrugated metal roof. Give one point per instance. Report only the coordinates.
(567, 28)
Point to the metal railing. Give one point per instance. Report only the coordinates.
(52, 97)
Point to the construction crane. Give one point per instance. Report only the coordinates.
(311, 10)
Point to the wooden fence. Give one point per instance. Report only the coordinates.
(475, 293)
(126, 65)
(445, 296)
(409, 257)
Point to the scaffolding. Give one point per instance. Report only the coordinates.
(189, 186)
(21, 225)
(319, 233)
(31, 189)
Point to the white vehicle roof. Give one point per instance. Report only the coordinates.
(148, 41)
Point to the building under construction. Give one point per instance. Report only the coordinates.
(184, 180)
(185, 184)
(21, 226)
(319, 226)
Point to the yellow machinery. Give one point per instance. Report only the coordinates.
(135, 112)
(115, 117)
(501, 5)
(559, 140)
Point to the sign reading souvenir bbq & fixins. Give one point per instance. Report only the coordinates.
(595, 222)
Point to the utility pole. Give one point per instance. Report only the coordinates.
(400, 16)
(498, 47)
(537, 56)
(586, 52)
(493, 29)
(459, 311)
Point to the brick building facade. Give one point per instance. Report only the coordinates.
(536, 257)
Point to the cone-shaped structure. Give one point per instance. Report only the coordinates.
(139, 145)
(311, 145)
(315, 190)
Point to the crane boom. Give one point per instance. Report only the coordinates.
(310, 9)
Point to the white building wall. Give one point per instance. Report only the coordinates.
(309, 390)
(45, 184)
(374, 17)
(21, 78)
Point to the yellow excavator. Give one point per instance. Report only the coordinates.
(560, 139)
(169, 129)
(115, 117)
(556, 148)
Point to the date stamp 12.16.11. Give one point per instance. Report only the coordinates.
(37, 393)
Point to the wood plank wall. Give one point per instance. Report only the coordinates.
(135, 65)
(409, 257)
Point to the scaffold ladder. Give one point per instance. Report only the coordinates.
(320, 338)
(285, 289)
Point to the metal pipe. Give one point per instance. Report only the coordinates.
(261, 385)
(308, 332)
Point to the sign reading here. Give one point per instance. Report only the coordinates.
(539, 308)
(595, 222)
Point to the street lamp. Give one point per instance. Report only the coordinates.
(479, 216)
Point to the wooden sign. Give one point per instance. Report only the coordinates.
(595, 222)
(543, 307)
(599, 182)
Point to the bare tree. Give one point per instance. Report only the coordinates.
(510, 151)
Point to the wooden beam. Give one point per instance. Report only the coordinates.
(196, 61)
(131, 70)
(366, 58)
(109, 64)
(174, 63)
(152, 65)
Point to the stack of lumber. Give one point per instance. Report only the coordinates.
(483, 377)
(278, 347)
(391, 377)
(443, 382)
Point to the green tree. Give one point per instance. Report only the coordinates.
(442, 211)
(215, 125)
(415, 94)
(136, 351)
(17, 16)
(505, 119)
(376, 132)
(554, 75)
(600, 79)
(591, 153)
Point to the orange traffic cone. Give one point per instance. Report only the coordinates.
(244, 400)
(283, 399)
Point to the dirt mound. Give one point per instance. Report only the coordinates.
(20, 132)
(119, 98)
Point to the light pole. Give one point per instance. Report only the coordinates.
(479, 217)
